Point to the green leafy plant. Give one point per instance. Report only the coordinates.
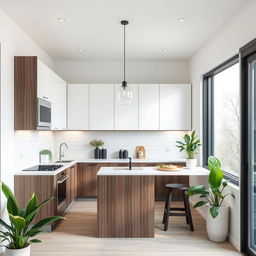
(20, 232)
(46, 152)
(215, 196)
(190, 144)
(97, 143)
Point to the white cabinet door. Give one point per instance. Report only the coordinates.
(149, 106)
(101, 107)
(58, 98)
(126, 116)
(78, 107)
(175, 107)
(44, 81)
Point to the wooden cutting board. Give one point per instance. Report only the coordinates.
(169, 169)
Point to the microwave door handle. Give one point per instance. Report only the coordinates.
(63, 179)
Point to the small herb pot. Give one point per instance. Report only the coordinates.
(18, 252)
(191, 163)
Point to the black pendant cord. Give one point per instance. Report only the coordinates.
(124, 52)
(124, 23)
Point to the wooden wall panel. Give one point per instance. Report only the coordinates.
(125, 206)
(25, 92)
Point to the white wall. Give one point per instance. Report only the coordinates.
(15, 42)
(172, 71)
(158, 144)
(240, 30)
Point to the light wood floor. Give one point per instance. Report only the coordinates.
(77, 236)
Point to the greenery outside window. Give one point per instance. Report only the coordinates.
(221, 117)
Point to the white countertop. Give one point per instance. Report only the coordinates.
(91, 160)
(46, 173)
(134, 160)
(150, 171)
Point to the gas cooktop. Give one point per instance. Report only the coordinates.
(44, 167)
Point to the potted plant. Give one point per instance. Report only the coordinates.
(20, 233)
(97, 143)
(217, 212)
(190, 144)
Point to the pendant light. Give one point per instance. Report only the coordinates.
(125, 92)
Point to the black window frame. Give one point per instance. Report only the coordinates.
(208, 115)
(245, 53)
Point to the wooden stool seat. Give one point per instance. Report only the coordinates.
(172, 211)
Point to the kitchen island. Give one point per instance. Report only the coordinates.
(126, 199)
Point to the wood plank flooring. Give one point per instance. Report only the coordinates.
(77, 236)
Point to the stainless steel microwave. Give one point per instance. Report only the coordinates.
(43, 114)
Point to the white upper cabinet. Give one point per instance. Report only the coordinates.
(101, 107)
(44, 81)
(175, 107)
(78, 107)
(149, 106)
(58, 98)
(52, 87)
(126, 116)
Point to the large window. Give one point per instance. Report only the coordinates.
(222, 117)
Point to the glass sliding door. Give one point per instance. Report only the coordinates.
(248, 148)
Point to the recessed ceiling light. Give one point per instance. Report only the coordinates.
(80, 50)
(165, 50)
(181, 19)
(61, 19)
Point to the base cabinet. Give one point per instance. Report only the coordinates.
(46, 186)
(87, 179)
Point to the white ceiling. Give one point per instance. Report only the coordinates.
(94, 25)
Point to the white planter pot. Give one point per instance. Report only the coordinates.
(217, 229)
(18, 252)
(191, 163)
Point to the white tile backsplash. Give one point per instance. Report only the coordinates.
(158, 144)
(27, 147)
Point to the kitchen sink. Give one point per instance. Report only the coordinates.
(64, 161)
(127, 168)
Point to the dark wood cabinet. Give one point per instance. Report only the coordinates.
(45, 186)
(73, 183)
(25, 92)
(87, 179)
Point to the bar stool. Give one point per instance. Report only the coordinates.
(168, 211)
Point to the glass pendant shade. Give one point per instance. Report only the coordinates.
(125, 95)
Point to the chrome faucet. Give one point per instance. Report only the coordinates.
(61, 154)
(130, 163)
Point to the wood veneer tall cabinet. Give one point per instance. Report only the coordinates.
(32, 80)
(25, 93)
